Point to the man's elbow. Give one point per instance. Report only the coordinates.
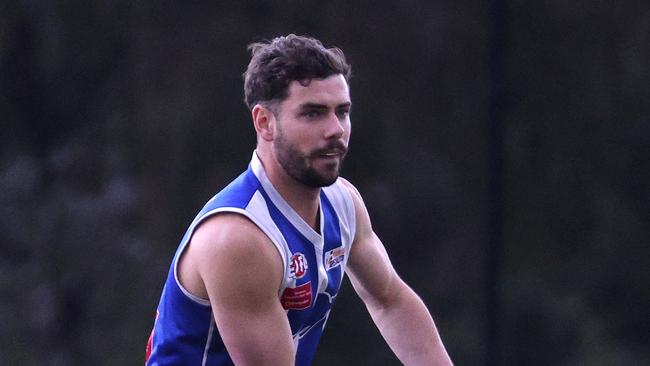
(393, 296)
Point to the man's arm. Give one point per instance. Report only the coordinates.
(240, 270)
(400, 315)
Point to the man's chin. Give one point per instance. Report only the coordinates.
(319, 180)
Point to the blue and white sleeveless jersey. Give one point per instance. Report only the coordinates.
(185, 332)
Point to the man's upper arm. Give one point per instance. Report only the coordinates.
(242, 272)
(369, 266)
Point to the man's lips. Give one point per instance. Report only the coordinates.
(330, 155)
(332, 152)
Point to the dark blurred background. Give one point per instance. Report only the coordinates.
(502, 147)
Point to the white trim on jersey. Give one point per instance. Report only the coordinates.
(208, 341)
(305, 229)
(261, 219)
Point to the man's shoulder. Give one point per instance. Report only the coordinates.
(233, 255)
(231, 234)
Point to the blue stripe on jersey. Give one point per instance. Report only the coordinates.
(332, 230)
(332, 238)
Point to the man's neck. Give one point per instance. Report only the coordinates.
(302, 199)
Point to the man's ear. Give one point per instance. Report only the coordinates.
(264, 121)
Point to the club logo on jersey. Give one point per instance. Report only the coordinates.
(297, 298)
(298, 266)
(334, 258)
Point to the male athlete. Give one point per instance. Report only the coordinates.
(256, 274)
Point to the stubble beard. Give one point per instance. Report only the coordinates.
(298, 165)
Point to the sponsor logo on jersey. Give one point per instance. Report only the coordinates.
(298, 266)
(334, 258)
(297, 298)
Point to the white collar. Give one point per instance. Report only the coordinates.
(288, 212)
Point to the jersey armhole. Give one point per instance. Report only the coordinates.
(195, 224)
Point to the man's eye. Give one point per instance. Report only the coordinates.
(312, 114)
(342, 113)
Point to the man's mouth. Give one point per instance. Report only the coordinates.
(331, 155)
(332, 152)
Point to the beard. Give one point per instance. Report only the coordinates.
(300, 165)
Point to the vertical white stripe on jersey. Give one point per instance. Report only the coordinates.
(207, 343)
(322, 273)
(259, 213)
(296, 342)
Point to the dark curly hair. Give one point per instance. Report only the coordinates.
(275, 64)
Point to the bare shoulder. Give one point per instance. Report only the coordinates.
(230, 243)
(230, 233)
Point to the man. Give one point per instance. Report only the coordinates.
(255, 276)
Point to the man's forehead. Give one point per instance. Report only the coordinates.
(330, 90)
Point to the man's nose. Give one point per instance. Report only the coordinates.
(334, 127)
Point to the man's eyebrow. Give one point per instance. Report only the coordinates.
(311, 105)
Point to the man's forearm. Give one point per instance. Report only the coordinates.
(409, 330)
